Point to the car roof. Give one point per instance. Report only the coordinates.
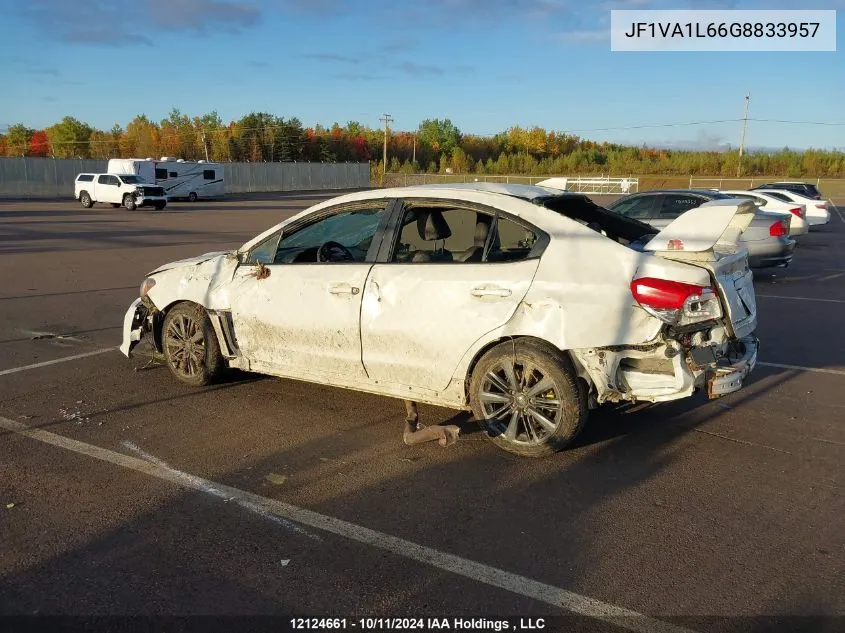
(698, 192)
(526, 192)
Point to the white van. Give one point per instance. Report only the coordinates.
(190, 180)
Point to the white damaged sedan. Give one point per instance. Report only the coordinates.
(525, 304)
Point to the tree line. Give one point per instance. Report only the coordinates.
(436, 146)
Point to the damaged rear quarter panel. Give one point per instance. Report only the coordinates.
(580, 299)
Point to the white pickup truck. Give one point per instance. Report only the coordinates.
(118, 189)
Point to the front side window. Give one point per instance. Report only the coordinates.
(338, 235)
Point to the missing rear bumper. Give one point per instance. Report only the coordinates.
(728, 378)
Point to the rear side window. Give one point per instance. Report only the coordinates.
(779, 196)
(85, 177)
(208, 174)
(511, 241)
(637, 207)
(173, 174)
(459, 235)
(103, 180)
(674, 205)
(161, 174)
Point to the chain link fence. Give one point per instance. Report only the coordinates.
(54, 178)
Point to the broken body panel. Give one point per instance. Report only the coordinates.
(414, 331)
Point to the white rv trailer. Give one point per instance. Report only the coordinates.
(180, 178)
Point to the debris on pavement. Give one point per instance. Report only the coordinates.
(276, 479)
(285, 562)
(415, 433)
(9, 506)
(74, 416)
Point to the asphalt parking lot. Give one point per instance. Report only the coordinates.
(260, 496)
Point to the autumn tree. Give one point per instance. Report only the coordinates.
(39, 145)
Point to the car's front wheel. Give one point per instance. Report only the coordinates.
(129, 202)
(526, 396)
(190, 345)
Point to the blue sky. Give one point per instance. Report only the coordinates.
(485, 64)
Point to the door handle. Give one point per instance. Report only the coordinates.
(343, 289)
(490, 292)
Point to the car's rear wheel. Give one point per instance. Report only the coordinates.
(526, 396)
(190, 345)
(129, 202)
(192, 197)
(85, 200)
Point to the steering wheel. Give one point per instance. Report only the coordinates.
(334, 252)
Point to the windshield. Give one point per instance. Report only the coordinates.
(131, 180)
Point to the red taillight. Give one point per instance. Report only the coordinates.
(778, 229)
(796, 211)
(663, 294)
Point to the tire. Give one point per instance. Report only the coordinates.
(129, 202)
(192, 197)
(501, 388)
(85, 200)
(199, 363)
(160, 205)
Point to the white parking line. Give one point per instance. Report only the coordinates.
(800, 298)
(817, 370)
(838, 212)
(492, 576)
(46, 363)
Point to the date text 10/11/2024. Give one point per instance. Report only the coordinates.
(416, 624)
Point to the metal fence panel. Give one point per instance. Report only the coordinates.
(29, 177)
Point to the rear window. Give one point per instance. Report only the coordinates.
(85, 177)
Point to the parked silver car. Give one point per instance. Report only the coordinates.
(766, 239)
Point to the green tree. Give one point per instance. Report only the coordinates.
(441, 136)
(70, 138)
(17, 140)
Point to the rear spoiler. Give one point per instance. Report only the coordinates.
(718, 223)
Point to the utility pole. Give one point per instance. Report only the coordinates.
(205, 147)
(387, 120)
(742, 137)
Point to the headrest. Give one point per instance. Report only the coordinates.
(482, 230)
(432, 226)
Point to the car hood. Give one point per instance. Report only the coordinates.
(191, 261)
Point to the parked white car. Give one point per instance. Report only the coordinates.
(118, 189)
(495, 298)
(768, 202)
(818, 211)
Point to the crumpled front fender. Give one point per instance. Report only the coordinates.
(135, 324)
